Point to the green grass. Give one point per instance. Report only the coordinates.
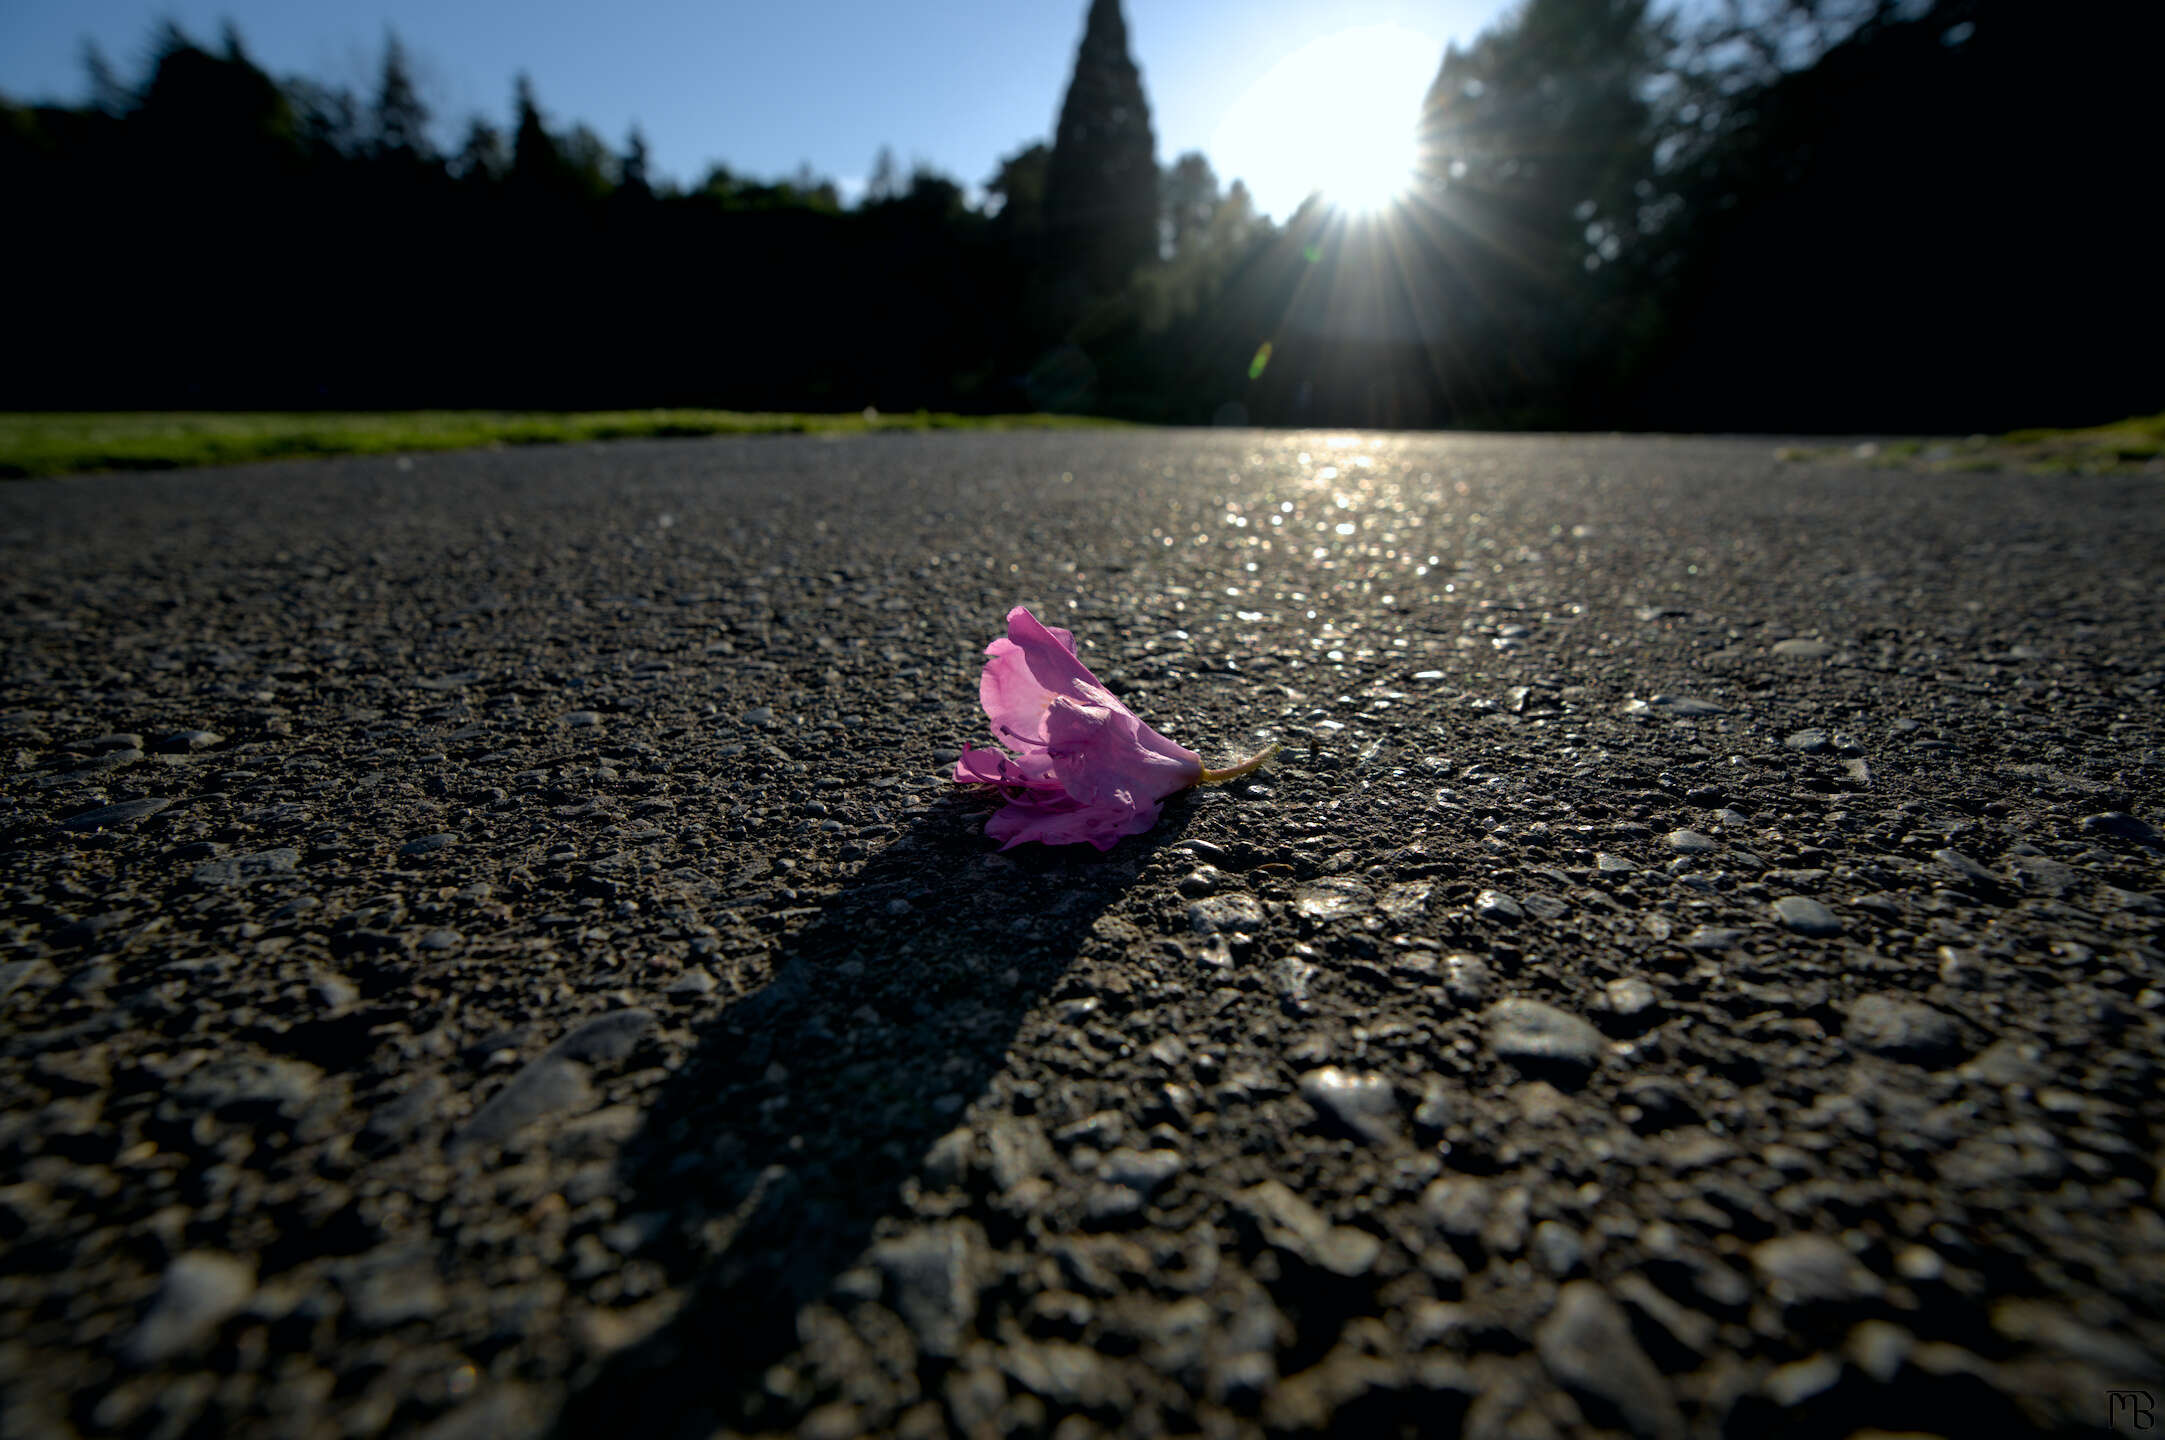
(2135, 441)
(2132, 446)
(69, 443)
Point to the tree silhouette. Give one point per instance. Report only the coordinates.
(634, 185)
(1101, 187)
(1537, 154)
(400, 120)
(885, 182)
(537, 164)
(481, 157)
(1777, 214)
(1191, 200)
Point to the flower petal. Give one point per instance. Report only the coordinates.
(992, 767)
(1026, 670)
(1101, 756)
(1085, 769)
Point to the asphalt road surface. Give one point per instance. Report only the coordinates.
(490, 950)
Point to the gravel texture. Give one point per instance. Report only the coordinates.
(489, 950)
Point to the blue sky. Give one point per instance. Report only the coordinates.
(764, 87)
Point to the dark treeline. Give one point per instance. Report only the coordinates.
(1786, 214)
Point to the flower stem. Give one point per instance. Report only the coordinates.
(1248, 766)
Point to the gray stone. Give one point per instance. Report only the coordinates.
(1559, 1249)
(427, 844)
(1405, 902)
(501, 1412)
(1802, 649)
(392, 1288)
(947, 1161)
(242, 869)
(2122, 826)
(1335, 899)
(2133, 902)
(2011, 1155)
(610, 1037)
(2040, 1322)
(1609, 864)
(1682, 1336)
(1683, 707)
(1018, 1149)
(1458, 1205)
(1141, 1171)
(695, 983)
(1966, 870)
(1713, 937)
(106, 817)
(596, 1136)
(250, 1088)
(582, 719)
(1298, 1228)
(201, 1290)
(2010, 1061)
(1201, 881)
(1528, 1030)
(1878, 1348)
(1793, 1384)
(1631, 997)
(20, 974)
(333, 992)
(1806, 916)
(182, 742)
(400, 1118)
(549, 1086)
(1690, 842)
(1065, 1374)
(1226, 915)
(1466, 978)
(1495, 905)
(1812, 1269)
(2042, 875)
(1903, 1029)
(1545, 907)
(932, 1282)
(1587, 1344)
(1809, 742)
(1364, 1106)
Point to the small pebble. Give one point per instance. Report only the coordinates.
(200, 1292)
(1495, 905)
(1806, 916)
(1364, 1105)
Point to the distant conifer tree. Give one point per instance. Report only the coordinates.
(632, 177)
(400, 119)
(1101, 188)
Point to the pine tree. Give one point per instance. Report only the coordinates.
(537, 162)
(400, 120)
(633, 181)
(1101, 189)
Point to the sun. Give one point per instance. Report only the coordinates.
(1335, 117)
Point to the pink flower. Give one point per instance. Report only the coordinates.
(1084, 768)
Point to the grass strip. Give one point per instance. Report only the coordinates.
(2132, 446)
(63, 443)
